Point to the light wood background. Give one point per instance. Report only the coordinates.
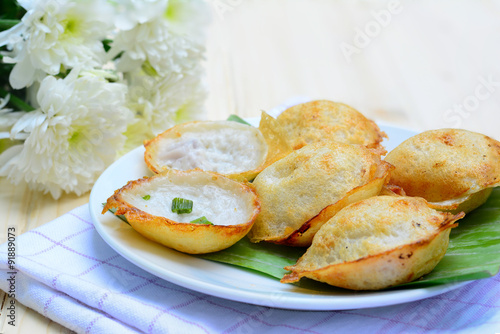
(425, 65)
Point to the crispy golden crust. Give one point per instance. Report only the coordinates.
(323, 120)
(276, 139)
(303, 190)
(446, 164)
(465, 204)
(303, 236)
(185, 237)
(377, 243)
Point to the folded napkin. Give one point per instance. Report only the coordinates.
(66, 272)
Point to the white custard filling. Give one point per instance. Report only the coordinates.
(220, 200)
(223, 147)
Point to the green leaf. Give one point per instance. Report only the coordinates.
(264, 257)
(15, 102)
(122, 217)
(7, 24)
(11, 10)
(474, 249)
(473, 252)
(236, 118)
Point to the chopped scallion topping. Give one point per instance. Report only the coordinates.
(201, 220)
(146, 198)
(182, 205)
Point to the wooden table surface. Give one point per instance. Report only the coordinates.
(415, 64)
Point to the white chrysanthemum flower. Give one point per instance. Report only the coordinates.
(153, 47)
(56, 34)
(160, 103)
(129, 13)
(71, 138)
(31, 92)
(7, 118)
(188, 18)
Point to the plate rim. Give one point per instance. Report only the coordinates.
(287, 300)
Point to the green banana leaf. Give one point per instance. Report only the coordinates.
(236, 118)
(473, 252)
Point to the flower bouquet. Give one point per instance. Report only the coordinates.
(83, 81)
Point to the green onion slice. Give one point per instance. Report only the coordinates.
(146, 197)
(201, 220)
(182, 205)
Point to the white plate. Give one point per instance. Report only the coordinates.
(226, 281)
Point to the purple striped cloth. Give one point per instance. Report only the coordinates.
(66, 272)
